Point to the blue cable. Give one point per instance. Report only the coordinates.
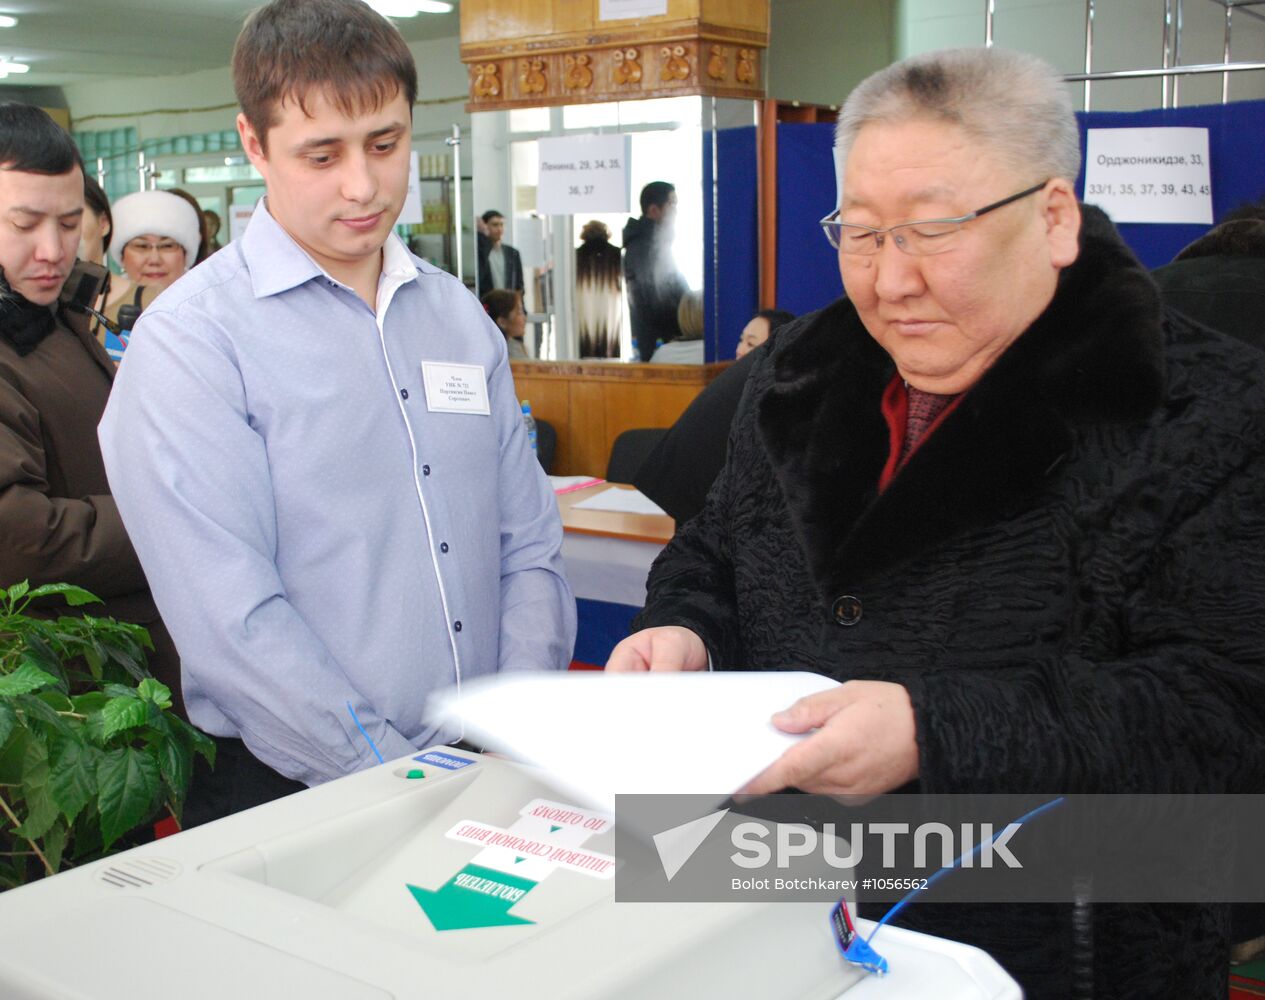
(969, 854)
(368, 739)
(859, 952)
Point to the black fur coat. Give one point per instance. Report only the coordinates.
(1068, 576)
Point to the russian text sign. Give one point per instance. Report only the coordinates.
(1149, 174)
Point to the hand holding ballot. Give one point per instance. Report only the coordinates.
(669, 648)
(864, 742)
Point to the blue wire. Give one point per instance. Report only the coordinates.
(369, 739)
(945, 871)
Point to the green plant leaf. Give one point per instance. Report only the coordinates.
(55, 844)
(8, 719)
(89, 702)
(175, 762)
(73, 776)
(18, 590)
(121, 714)
(198, 741)
(27, 677)
(75, 596)
(154, 691)
(55, 700)
(36, 709)
(12, 755)
(41, 810)
(127, 782)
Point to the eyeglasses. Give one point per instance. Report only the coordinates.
(144, 249)
(930, 236)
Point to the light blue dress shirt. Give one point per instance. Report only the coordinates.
(315, 532)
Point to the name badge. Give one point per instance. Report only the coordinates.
(453, 388)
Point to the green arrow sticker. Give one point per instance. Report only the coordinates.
(474, 897)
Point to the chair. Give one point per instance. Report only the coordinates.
(630, 450)
(546, 444)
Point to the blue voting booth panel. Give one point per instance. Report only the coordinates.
(600, 626)
(730, 238)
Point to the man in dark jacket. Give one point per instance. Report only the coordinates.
(58, 521)
(654, 284)
(500, 265)
(1006, 500)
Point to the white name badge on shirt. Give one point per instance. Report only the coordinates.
(454, 388)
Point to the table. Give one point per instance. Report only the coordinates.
(608, 556)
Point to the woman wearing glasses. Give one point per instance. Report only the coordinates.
(1006, 499)
(156, 238)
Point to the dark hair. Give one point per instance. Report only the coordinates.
(203, 243)
(1248, 210)
(491, 214)
(96, 200)
(776, 317)
(30, 141)
(343, 48)
(499, 303)
(595, 230)
(656, 193)
(1237, 238)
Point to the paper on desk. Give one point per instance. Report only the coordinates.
(623, 501)
(598, 734)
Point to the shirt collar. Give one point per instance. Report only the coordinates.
(277, 263)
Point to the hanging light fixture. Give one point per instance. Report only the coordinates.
(7, 66)
(409, 8)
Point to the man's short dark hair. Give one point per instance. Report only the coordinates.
(342, 48)
(96, 200)
(776, 317)
(30, 141)
(491, 214)
(656, 193)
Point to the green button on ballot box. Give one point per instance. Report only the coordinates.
(478, 881)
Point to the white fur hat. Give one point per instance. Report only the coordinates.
(160, 213)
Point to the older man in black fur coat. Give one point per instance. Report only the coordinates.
(1008, 500)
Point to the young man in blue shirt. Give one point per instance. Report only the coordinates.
(315, 442)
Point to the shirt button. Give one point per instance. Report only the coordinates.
(404, 394)
(425, 470)
(443, 547)
(456, 626)
(847, 610)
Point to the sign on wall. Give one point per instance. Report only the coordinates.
(1149, 174)
(411, 212)
(584, 173)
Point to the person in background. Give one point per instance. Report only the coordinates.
(500, 265)
(599, 292)
(1219, 279)
(758, 328)
(506, 310)
(211, 229)
(685, 463)
(58, 521)
(98, 223)
(204, 238)
(687, 347)
(1005, 498)
(156, 239)
(316, 443)
(654, 284)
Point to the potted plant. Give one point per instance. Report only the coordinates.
(89, 749)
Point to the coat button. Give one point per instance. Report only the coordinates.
(847, 610)
(443, 547)
(456, 626)
(404, 394)
(425, 470)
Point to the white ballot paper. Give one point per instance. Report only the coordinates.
(598, 734)
(623, 501)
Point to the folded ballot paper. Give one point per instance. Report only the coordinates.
(597, 734)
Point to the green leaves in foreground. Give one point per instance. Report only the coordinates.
(89, 749)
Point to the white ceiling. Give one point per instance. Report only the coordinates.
(78, 41)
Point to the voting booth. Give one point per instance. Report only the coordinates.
(448, 874)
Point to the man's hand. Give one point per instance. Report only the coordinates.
(864, 744)
(668, 648)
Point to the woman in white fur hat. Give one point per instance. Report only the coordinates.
(156, 238)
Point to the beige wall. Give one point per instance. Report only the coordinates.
(821, 49)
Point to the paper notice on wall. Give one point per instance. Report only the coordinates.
(584, 173)
(1149, 174)
(411, 213)
(618, 10)
(238, 217)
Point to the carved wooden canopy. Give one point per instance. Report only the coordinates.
(537, 53)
